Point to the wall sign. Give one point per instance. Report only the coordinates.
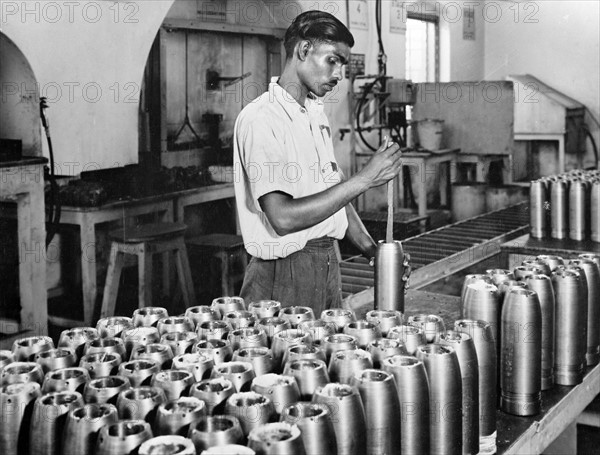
(397, 17)
(358, 14)
(469, 23)
(356, 66)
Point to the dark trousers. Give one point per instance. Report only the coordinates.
(310, 277)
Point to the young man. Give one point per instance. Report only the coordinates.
(292, 200)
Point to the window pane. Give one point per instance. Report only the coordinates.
(420, 50)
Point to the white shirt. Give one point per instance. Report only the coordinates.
(282, 146)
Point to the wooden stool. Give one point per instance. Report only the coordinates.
(145, 241)
(226, 248)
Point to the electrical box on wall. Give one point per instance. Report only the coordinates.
(401, 91)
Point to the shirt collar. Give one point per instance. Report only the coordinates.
(287, 101)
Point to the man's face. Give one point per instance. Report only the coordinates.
(322, 69)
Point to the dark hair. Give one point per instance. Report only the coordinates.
(316, 26)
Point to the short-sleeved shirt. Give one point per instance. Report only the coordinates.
(281, 146)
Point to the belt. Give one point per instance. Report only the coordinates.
(321, 242)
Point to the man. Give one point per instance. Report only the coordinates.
(292, 200)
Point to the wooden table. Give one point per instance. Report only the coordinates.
(561, 405)
(167, 207)
(427, 164)
(22, 182)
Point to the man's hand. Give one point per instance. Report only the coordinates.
(382, 167)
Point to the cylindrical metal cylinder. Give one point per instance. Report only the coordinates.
(260, 357)
(240, 374)
(411, 336)
(197, 364)
(338, 316)
(177, 416)
(476, 278)
(309, 374)
(592, 275)
(213, 330)
(219, 350)
(122, 437)
(542, 285)
(577, 210)
(168, 445)
(469, 371)
(139, 371)
(105, 390)
(343, 365)
(338, 342)
(445, 397)
(101, 364)
(297, 314)
(213, 431)
(521, 357)
(538, 202)
(138, 337)
(271, 326)
(483, 302)
(264, 308)
(202, 313)
(551, 260)
(55, 359)
(140, 402)
(82, 426)
(382, 348)
(498, 276)
(390, 276)
(316, 427)
(179, 342)
(22, 372)
(251, 408)
(286, 338)
(73, 379)
(281, 390)
(228, 449)
(214, 392)
(113, 326)
(276, 438)
(595, 212)
(348, 416)
(107, 344)
(227, 304)
(559, 209)
(240, 318)
(413, 395)
(76, 338)
(303, 351)
(570, 327)
(172, 324)
(248, 337)
(544, 267)
(363, 331)
(318, 329)
(48, 419)
(523, 271)
(15, 430)
(386, 319)
(174, 383)
(24, 349)
(432, 325)
(148, 316)
(485, 347)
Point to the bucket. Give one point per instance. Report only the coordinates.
(468, 200)
(429, 133)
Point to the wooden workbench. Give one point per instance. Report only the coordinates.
(561, 405)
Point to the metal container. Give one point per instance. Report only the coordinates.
(213, 330)
(248, 337)
(214, 393)
(412, 386)
(272, 325)
(72, 379)
(344, 364)
(318, 329)
(276, 438)
(240, 318)
(431, 324)
(211, 431)
(167, 445)
(542, 285)
(148, 316)
(484, 302)
(523, 271)
(25, 349)
(101, 364)
(227, 304)
(202, 313)
(559, 209)
(383, 348)
(379, 395)
(338, 316)
(552, 261)
(175, 324)
(179, 342)
(229, 449)
(338, 342)
(139, 371)
(592, 275)
(123, 437)
(219, 350)
(386, 319)
(174, 383)
(55, 359)
(303, 351)
(251, 409)
(411, 336)
(113, 326)
(264, 308)
(485, 347)
(578, 208)
(316, 427)
(105, 390)
(155, 352)
(521, 356)
(392, 271)
(48, 421)
(82, 426)
(21, 372)
(309, 374)
(176, 417)
(286, 338)
(281, 390)
(595, 212)
(497, 276)
(108, 344)
(348, 416)
(240, 374)
(16, 401)
(260, 357)
(296, 315)
(197, 364)
(363, 331)
(140, 403)
(76, 338)
(138, 337)
(445, 397)
(545, 268)
(538, 209)
(469, 372)
(571, 327)
(475, 278)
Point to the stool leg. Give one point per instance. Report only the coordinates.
(185, 275)
(111, 287)
(144, 278)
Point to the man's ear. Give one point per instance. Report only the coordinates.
(303, 49)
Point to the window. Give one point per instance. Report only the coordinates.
(422, 43)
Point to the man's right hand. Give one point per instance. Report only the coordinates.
(383, 166)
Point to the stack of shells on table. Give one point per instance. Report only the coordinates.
(544, 320)
(566, 206)
(256, 378)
